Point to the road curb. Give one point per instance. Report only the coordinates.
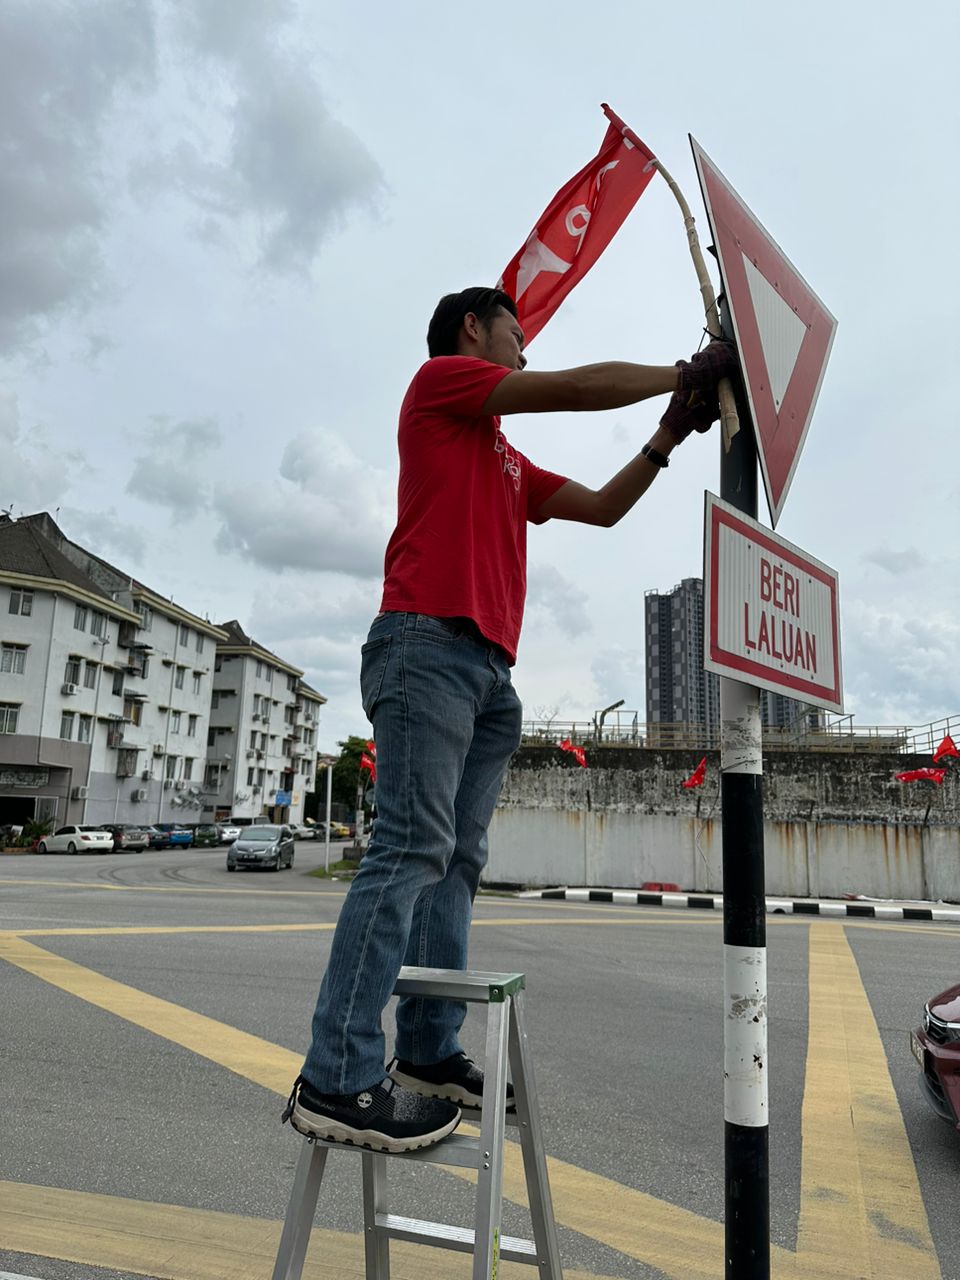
(775, 906)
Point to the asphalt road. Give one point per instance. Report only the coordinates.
(121, 1107)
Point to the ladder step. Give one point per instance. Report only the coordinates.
(442, 1235)
(458, 984)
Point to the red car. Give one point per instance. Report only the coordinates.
(936, 1047)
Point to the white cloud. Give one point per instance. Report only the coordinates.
(283, 159)
(173, 471)
(62, 67)
(555, 598)
(327, 511)
(903, 665)
(104, 533)
(32, 475)
(897, 562)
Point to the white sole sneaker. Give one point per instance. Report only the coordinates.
(312, 1125)
(448, 1092)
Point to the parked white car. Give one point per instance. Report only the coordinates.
(302, 832)
(77, 840)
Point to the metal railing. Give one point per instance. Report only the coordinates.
(624, 729)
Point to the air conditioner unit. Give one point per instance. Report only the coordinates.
(70, 688)
(179, 785)
(251, 754)
(255, 716)
(80, 793)
(146, 776)
(141, 794)
(167, 784)
(158, 749)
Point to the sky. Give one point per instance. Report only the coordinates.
(224, 225)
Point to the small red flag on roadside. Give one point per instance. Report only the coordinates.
(922, 775)
(578, 753)
(946, 748)
(367, 762)
(576, 227)
(697, 778)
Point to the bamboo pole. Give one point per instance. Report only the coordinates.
(730, 423)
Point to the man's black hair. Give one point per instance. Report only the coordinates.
(444, 331)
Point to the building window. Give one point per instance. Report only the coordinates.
(196, 682)
(71, 672)
(250, 777)
(90, 675)
(214, 700)
(188, 768)
(9, 714)
(146, 615)
(132, 710)
(170, 768)
(80, 617)
(259, 777)
(269, 675)
(184, 634)
(259, 669)
(13, 658)
(253, 737)
(98, 623)
(217, 663)
(174, 721)
(21, 602)
(117, 683)
(126, 763)
(199, 642)
(181, 672)
(85, 729)
(192, 726)
(66, 725)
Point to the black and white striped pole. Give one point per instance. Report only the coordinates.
(745, 1070)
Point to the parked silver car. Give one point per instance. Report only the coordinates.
(269, 846)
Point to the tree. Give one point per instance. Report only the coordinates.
(347, 770)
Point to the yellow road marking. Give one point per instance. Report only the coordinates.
(246, 1055)
(854, 1143)
(198, 1244)
(861, 1209)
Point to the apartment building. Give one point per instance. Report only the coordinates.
(105, 687)
(678, 689)
(262, 741)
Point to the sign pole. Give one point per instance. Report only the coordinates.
(746, 1126)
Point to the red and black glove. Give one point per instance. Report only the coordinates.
(703, 371)
(690, 411)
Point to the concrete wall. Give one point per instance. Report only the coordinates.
(834, 824)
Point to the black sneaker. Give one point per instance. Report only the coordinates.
(458, 1079)
(384, 1118)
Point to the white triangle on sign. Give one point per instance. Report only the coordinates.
(781, 331)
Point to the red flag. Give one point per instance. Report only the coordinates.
(372, 748)
(576, 227)
(578, 753)
(698, 777)
(367, 762)
(923, 775)
(946, 748)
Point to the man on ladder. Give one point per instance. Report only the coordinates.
(435, 683)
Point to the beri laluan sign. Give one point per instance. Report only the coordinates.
(771, 611)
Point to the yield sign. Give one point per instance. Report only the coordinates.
(783, 330)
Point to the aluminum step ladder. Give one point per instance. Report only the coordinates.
(502, 993)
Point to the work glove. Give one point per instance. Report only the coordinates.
(690, 411)
(703, 371)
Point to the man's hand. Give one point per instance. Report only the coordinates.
(703, 371)
(690, 411)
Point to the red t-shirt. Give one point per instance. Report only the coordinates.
(464, 499)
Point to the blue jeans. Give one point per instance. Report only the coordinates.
(446, 721)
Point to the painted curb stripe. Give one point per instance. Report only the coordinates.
(708, 902)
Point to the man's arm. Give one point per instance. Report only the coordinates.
(591, 386)
(605, 506)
